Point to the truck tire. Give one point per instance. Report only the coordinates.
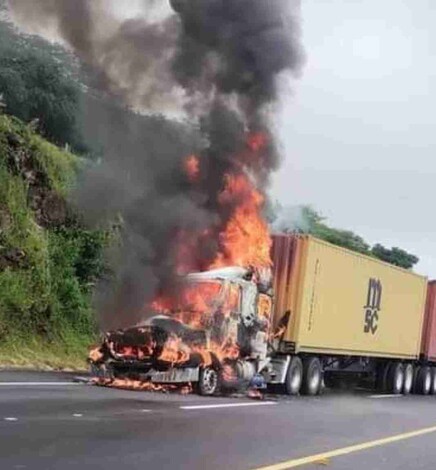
(294, 376)
(395, 378)
(408, 378)
(433, 381)
(423, 381)
(208, 382)
(312, 376)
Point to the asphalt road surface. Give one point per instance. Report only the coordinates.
(49, 422)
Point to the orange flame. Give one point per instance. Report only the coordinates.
(245, 240)
(191, 166)
(174, 351)
(257, 141)
(191, 305)
(143, 386)
(95, 354)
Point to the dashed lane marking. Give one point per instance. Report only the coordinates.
(227, 405)
(386, 396)
(325, 456)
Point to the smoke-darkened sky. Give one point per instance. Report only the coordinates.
(359, 131)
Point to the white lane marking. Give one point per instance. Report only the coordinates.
(145, 411)
(386, 396)
(226, 405)
(77, 415)
(10, 419)
(20, 384)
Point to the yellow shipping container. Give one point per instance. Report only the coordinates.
(344, 303)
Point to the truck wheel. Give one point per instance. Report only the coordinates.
(395, 380)
(294, 376)
(433, 381)
(408, 379)
(208, 381)
(312, 376)
(423, 381)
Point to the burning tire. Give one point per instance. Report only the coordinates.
(209, 381)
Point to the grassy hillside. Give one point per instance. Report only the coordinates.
(48, 262)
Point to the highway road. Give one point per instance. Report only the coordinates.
(49, 422)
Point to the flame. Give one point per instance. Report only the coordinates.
(191, 166)
(229, 374)
(174, 351)
(255, 394)
(142, 386)
(245, 240)
(95, 354)
(191, 305)
(137, 352)
(257, 141)
(264, 306)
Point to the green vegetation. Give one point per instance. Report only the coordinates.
(395, 256)
(48, 261)
(38, 83)
(307, 220)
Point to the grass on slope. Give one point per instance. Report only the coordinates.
(48, 261)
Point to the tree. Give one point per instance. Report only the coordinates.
(305, 219)
(38, 83)
(345, 238)
(395, 256)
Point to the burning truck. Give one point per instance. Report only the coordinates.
(212, 330)
(322, 314)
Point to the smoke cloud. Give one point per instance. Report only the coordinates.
(214, 65)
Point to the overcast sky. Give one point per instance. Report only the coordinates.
(359, 132)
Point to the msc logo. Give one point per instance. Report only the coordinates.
(372, 307)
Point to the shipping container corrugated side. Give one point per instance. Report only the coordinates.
(428, 349)
(345, 303)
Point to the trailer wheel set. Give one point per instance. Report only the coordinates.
(306, 377)
(353, 319)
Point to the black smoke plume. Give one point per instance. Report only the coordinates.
(214, 65)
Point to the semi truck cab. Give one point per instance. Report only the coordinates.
(212, 331)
